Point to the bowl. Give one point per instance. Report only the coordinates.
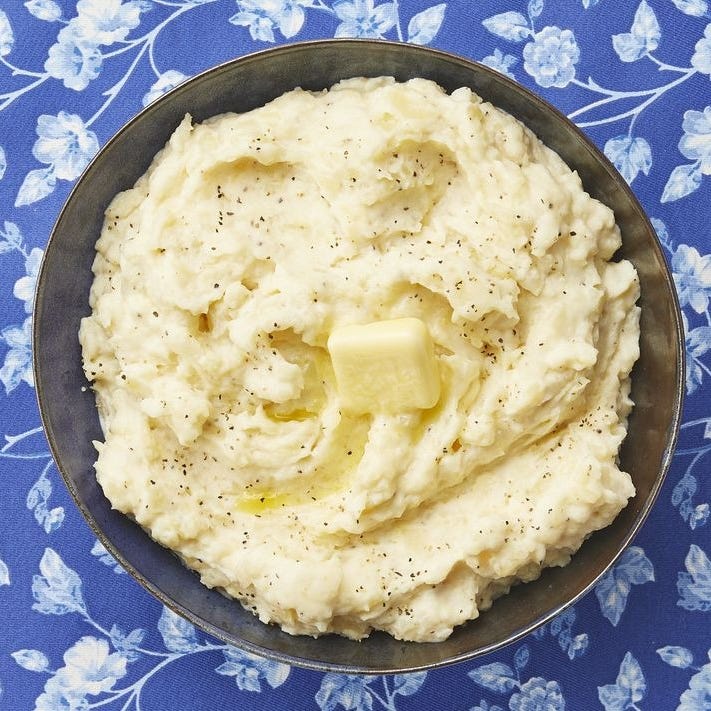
(69, 412)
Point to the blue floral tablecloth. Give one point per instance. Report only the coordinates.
(76, 632)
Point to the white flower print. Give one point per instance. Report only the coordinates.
(107, 21)
(73, 59)
(696, 344)
(65, 143)
(551, 57)
(501, 62)
(24, 288)
(249, 671)
(535, 694)
(698, 695)
(90, 667)
(262, 16)
(17, 367)
(692, 276)
(695, 144)
(695, 8)
(165, 82)
(87, 65)
(7, 37)
(89, 670)
(701, 60)
(694, 585)
(350, 691)
(538, 694)
(361, 18)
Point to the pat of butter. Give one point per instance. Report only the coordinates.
(386, 366)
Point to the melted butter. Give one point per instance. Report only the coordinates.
(331, 476)
(333, 472)
(318, 378)
(282, 414)
(265, 501)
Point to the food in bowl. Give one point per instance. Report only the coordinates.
(362, 357)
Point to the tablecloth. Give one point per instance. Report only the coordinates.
(76, 632)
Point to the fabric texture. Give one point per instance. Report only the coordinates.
(76, 631)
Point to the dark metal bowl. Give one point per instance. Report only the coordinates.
(69, 412)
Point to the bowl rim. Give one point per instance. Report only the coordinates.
(319, 665)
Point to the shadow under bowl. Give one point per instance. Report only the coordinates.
(69, 412)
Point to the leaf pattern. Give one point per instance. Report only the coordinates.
(4, 573)
(497, 677)
(250, 671)
(38, 502)
(78, 633)
(633, 568)
(694, 585)
(58, 590)
(31, 659)
(642, 38)
(178, 634)
(129, 644)
(7, 37)
(696, 8)
(106, 558)
(629, 687)
(535, 8)
(512, 26)
(561, 629)
(424, 26)
(347, 691)
(37, 184)
(521, 658)
(679, 657)
(47, 10)
(630, 156)
(408, 684)
(683, 181)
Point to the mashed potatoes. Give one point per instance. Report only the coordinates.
(221, 275)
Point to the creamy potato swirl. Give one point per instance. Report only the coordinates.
(220, 276)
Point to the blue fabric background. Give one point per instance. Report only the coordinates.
(78, 633)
